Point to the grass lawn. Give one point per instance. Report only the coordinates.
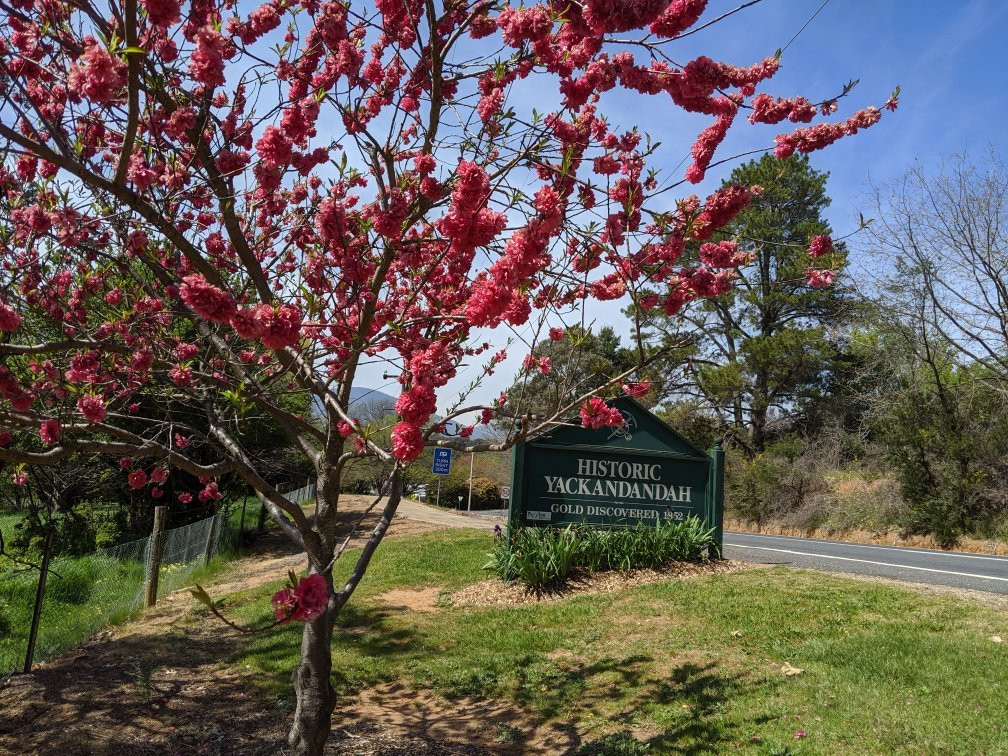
(693, 665)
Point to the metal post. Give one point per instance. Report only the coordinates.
(211, 541)
(717, 497)
(438, 502)
(472, 460)
(261, 525)
(241, 523)
(39, 595)
(154, 559)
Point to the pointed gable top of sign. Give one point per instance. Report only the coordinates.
(642, 431)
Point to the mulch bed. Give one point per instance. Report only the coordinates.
(497, 593)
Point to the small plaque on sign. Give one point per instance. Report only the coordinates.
(536, 516)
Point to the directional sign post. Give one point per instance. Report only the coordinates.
(442, 461)
(442, 466)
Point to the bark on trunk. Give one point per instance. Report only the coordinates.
(316, 698)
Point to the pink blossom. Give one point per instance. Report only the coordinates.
(638, 389)
(49, 432)
(163, 13)
(125, 462)
(185, 497)
(181, 376)
(274, 148)
(207, 61)
(5, 437)
(345, 429)
(486, 415)
(206, 300)
(557, 334)
(92, 407)
(181, 442)
(595, 413)
(820, 279)
(159, 475)
(20, 478)
(545, 365)
(251, 323)
(821, 245)
(407, 442)
(10, 320)
(304, 602)
(137, 479)
(97, 74)
(283, 327)
(156, 493)
(210, 492)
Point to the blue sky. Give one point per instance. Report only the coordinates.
(947, 57)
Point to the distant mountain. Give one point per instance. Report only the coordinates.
(361, 396)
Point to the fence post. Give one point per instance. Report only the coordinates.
(261, 525)
(154, 557)
(39, 594)
(211, 540)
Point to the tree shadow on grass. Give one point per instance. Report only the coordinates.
(696, 696)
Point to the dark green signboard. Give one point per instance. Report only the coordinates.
(643, 472)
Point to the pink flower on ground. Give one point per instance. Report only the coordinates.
(49, 432)
(595, 413)
(137, 479)
(92, 407)
(303, 602)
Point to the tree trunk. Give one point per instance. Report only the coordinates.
(316, 698)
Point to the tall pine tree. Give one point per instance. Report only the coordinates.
(768, 346)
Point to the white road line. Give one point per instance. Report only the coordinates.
(869, 561)
(875, 547)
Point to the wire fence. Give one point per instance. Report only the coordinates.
(86, 593)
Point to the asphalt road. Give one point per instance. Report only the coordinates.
(975, 571)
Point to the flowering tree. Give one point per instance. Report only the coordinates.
(226, 208)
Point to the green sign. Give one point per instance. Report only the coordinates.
(642, 472)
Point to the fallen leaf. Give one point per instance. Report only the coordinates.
(997, 639)
(736, 633)
(790, 671)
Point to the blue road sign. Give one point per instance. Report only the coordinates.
(442, 461)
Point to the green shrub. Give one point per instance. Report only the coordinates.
(543, 557)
